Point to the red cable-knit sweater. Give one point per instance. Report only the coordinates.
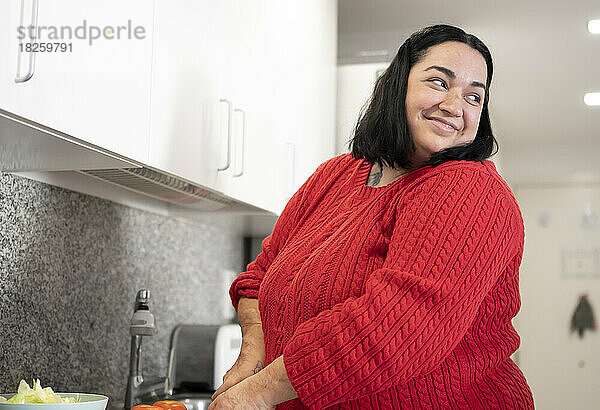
(394, 297)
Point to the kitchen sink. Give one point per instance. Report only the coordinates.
(193, 401)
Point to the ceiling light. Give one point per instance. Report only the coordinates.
(594, 26)
(591, 98)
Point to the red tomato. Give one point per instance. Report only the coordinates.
(146, 407)
(170, 405)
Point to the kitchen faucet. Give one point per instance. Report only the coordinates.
(142, 324)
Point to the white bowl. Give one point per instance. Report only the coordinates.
(86, 402)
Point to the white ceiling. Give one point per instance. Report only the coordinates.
(544, 62)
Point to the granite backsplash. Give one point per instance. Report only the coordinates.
(70, 267)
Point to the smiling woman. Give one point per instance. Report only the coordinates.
(375, 291)
(444, 98)
(440, 75)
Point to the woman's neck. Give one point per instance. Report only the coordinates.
(381, 177)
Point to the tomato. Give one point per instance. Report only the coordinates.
(146, 407)
(170, 405)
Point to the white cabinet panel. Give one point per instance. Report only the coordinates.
(302, 42)
(261, 71)
(207, 80)
(243, 78)
(97, 90)
(185, 104)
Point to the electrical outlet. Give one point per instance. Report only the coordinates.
(580, 263)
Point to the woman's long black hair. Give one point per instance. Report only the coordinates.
(381, 133)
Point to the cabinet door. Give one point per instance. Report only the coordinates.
(243, 80)
(185, 109)
(95, 87)
(302, 42)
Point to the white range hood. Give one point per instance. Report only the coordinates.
(38, 152)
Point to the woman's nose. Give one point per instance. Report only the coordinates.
(452, 104)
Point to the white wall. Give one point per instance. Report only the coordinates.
(552, 162)
(561, 240)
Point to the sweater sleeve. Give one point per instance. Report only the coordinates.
(454, 233)
(248, 282)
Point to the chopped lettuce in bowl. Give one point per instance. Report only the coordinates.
(37, 394)
(35, 398)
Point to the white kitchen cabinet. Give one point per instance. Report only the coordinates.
(97, 90)
(243, 79)
(282, 72)
(185, 108)
(208, 110)
(302, 43)
(261, 72)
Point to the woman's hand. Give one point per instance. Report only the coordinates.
(250, 361)
(244, 395)
(263, 390)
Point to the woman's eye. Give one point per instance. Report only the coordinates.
(441, 82)
(475, 98)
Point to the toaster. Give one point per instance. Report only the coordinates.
(200, 355)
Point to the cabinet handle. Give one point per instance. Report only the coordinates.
(31, 70)
(229, 106)
(243, 139)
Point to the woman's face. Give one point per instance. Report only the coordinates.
(447, 85)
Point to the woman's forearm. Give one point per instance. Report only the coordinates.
(248, 313)
(279, 389)
(253, 344)
(270, 386)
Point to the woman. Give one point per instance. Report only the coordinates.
(391, 277)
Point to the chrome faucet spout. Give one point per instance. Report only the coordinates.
(154, 388)
(142, 324)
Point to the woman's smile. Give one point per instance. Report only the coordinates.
(442, 126)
